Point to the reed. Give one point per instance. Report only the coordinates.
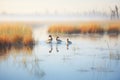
(62, 28)
(113, 29)
(15, 33)
(91, 28)
(69, 29)
(84, 28)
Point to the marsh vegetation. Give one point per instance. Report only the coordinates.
(15, 34)
(85, 27)
(94, 54)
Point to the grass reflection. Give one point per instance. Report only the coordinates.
(5, 51)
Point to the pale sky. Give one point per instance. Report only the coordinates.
(62, 6)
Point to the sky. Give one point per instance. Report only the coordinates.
(55, 6)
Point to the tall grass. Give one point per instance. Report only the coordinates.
(63, 29)
(84, 28)
(113, 29)
(91, 28)
(12, 34)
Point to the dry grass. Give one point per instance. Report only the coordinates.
(63, 29)
(11, 34)
(113, 28)
(84, 28)
(91, 28)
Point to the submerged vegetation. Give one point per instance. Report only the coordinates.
(15, 34)
(85, 28)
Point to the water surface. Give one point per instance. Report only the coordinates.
(95, 57)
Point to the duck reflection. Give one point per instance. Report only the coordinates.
(57, 50)
(67, 46)
(68, 42)
(51, 48)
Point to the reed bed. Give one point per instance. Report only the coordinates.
(84, 28)
(113, 29)
(91, 28)
(15, 34)
(63, 29)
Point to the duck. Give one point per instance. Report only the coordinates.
(58, 41)
(49, 39)
(68, 42)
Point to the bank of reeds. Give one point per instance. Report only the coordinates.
(84, 28)
(113, 29)
(15, 34)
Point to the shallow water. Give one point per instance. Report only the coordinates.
(94, 57)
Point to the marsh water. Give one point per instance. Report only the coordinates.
(89, 57)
